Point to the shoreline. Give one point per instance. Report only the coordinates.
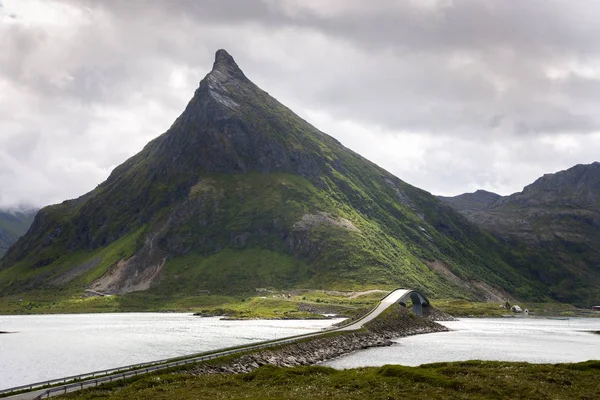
(396, 322)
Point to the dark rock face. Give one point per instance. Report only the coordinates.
(479, 200)
(578, 186)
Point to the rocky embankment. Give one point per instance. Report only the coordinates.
(395, 322)
(435, 314)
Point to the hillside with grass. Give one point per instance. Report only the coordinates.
(558, 218)
(241, 194)
(459, 380)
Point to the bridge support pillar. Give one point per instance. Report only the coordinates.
(418, 302)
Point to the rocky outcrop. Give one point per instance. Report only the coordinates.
(435, 314)
(394, 323)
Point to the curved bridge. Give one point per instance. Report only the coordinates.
(401, 296)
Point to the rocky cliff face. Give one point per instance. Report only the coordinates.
(242, 193)
(557, 217)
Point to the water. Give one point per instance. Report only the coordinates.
(510, 339)
(45, 347)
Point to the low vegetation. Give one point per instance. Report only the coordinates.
(463, 308)
(270, 304)
(459, 380)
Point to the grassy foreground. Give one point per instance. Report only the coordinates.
(460, 380)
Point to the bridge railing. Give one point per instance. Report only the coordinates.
(39, 385)
(102, 375)
(371, 311)
(127, 374)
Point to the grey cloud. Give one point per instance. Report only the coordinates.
(509, 41)
(471, 74)
(537, 25)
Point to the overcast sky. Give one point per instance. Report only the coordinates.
(450, 96)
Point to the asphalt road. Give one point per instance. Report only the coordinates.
(387, 301)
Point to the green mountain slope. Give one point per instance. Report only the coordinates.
(12, 225)
(240, 193)
(557, 217)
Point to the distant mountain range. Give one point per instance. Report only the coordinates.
(558, 216)
(13, 224)
(467, 202)
(240, 193)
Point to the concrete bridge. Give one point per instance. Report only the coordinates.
(79, 382)
(400, 296)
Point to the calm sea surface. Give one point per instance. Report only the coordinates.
(510, 339)
(45, 347)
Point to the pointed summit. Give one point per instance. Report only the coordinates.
(223, 57)
(224, 63)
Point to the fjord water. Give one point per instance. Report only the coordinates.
(533, 340)
(44, 347)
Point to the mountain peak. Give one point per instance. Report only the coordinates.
(224, 63)
(241, 193)
(223, 57)
(478, 200)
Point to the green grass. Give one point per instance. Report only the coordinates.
(258, 307)
(270, 305)
(103, 259)
(460, 380)
(463, 308)
(245, 270)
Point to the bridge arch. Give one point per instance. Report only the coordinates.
(418, 300)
